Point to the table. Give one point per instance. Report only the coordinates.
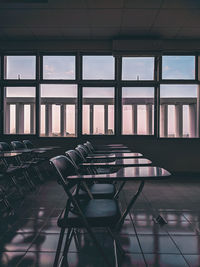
(4, 155)
(127, 174)
(120, 146)
(124, 162)
(115, 156)
(110, 151)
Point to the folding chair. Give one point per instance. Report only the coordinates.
(83, 214)
(95, 190)
(28, 158)
(16, 170)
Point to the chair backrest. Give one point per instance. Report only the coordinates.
(63, 167)
(81, 152)
(28, 144)
(18, 145)
(4, 146)
(90, 146)
(75, 158)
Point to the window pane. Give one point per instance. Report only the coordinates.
(19, 110)
(58, 110)
(138, 110)
(59, 67)
(98, 67)
(178, 110)
(20, 67)
(178, 67)
(98, 110)
(138, 68)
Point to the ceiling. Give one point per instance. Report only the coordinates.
(99, 19)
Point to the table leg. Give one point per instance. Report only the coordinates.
(130, 204)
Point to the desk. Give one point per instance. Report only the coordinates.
(4, 155)
(127, 174)
(110, 151)
(124, 162)
(115, 156)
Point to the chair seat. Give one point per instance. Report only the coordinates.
(99, 191)
(98, 212)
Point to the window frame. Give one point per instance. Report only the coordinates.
(117, 83)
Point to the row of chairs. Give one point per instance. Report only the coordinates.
(19, 173)
(89, 205)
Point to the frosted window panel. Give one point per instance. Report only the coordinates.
(127, 122)
(20, 67)
(111, 112)
(86, 116)
(55, 120)
(59, 115)
(138, 110)
(42, 121)
(98, 110)
(12, 119)
(99, 119)
(178, 110)
(71, 113)
(59, 67)
(27, 117)
(19, 110)
(98, 67)
(142, 120)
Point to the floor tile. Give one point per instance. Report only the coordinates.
(17, 241)
(10, 259)
(149, 228)
(165, 260)
(157, 244)
(28, 226)
(193, 260)
(187, 244)
(37, 259)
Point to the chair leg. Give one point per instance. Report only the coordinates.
(70, 233)
(17, 186)
(39, 174)
(62, 232)
(98, 246)
(116, 239)
(29, 181)
(115, 252)
(76, 239)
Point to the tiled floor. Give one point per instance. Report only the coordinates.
(30, 237)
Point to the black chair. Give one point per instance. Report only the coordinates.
(84, 214)
(83, 151)
(95, 190)
(28, 144)
(28, 158)
(15, 170)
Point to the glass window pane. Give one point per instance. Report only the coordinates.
(58, 110)
(178, 110)
(138, 68)
(178, 67)
(98, 110)
(19, 110)
(20, 67)
(59, 67)
(98, 67)
(138, 110)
